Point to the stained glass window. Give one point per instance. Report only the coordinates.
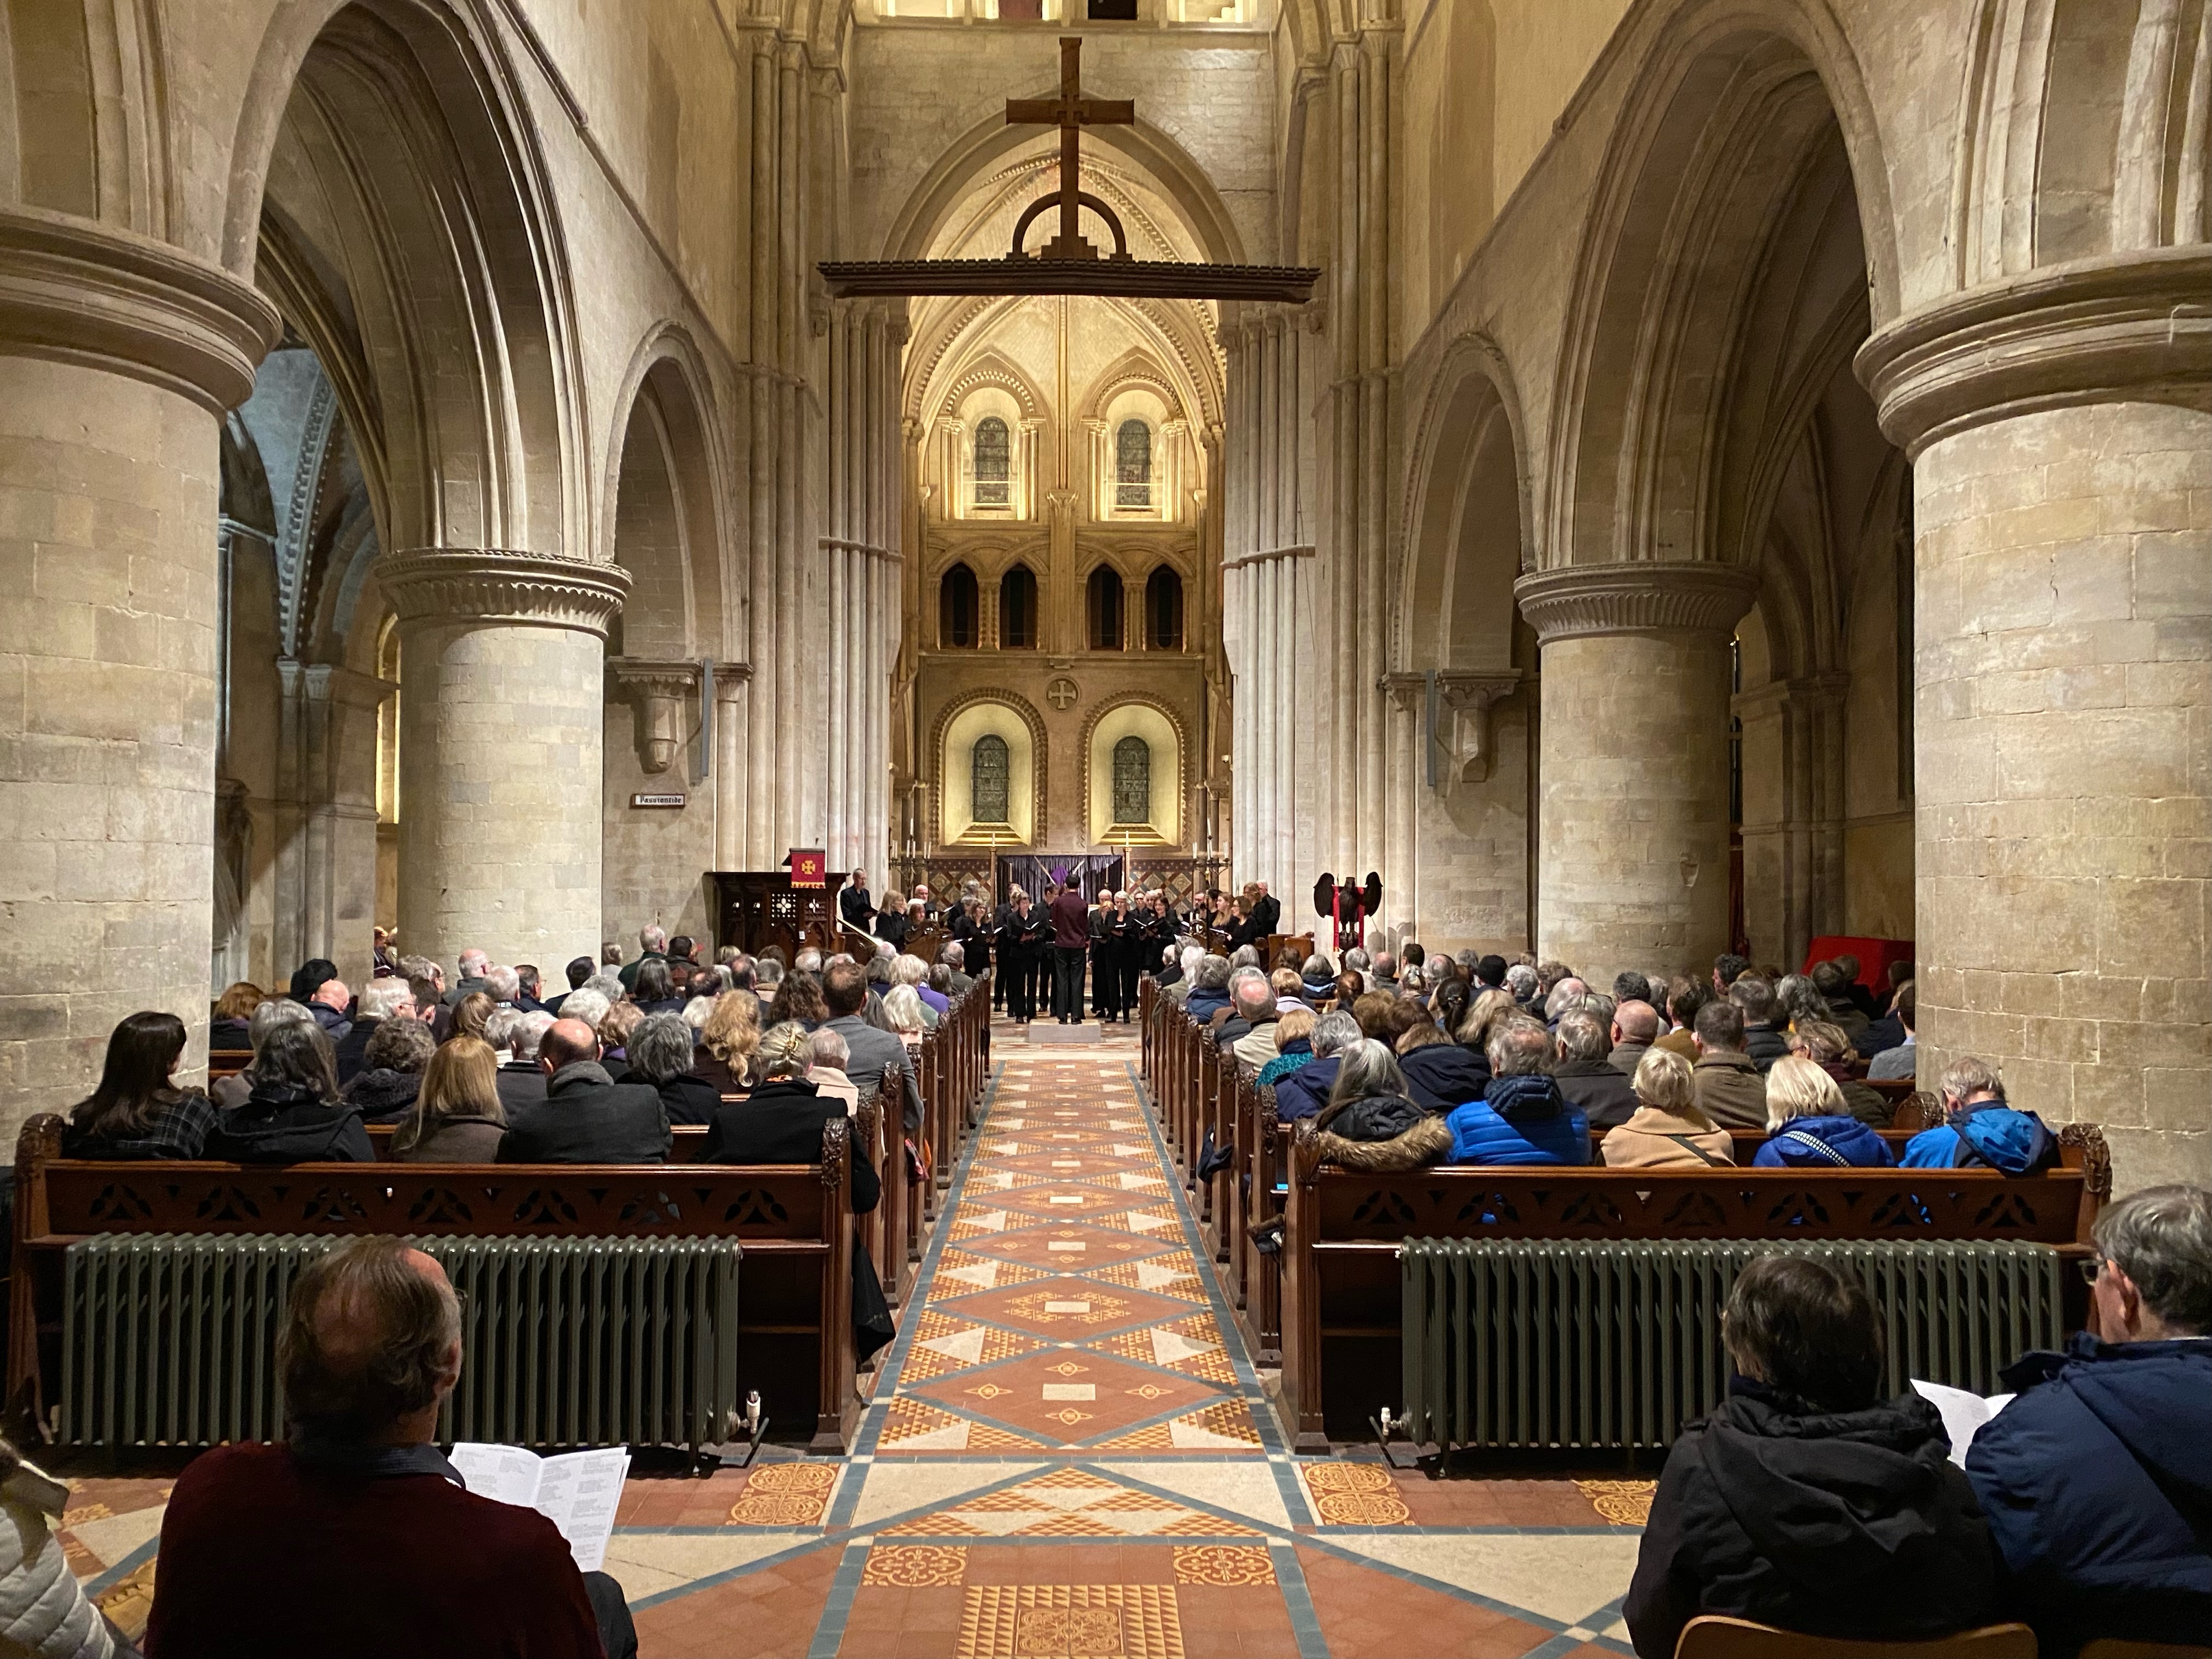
(987, 779)
(993, 450)
(1133, 780)
(1132, 465)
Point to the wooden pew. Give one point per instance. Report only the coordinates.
(226, 1062)
(795, 1221)
(1342, 1231)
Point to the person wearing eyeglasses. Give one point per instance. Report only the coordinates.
(2097, 1479)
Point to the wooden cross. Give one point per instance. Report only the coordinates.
(1071, 113)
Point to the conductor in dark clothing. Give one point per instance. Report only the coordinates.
(1071, 942)
(782, 1123)
(587, 1117)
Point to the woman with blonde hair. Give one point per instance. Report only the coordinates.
(1809, 1123)
(1490, 1011)
(1669, 1128)
(457, 1118)
(471, 1014)
(615, 1028)
(903, 1008)
(728, 1041)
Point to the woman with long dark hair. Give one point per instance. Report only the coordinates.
(292, 1113)
(138, 1111)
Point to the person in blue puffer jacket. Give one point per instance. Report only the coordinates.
(1979, 1129)
(1809, 1122)
(1523, 1118)
(2097, 1476)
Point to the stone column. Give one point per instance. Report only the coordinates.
(2063, 712)
(118, 356)
(733, 689)
(502, 745)
(1632, 863)
(326, 817)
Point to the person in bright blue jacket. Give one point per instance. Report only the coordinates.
(1979, 1129)
(1809, 1122)
(1523, 1118)
(2097, 1477)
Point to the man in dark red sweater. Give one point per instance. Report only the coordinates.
(1071, 943)
(358, 1537)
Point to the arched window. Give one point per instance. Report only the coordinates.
(993, 451)
(987, 772)
(1132, 465)
(1164, 611)
(1104, 592)
(1133, 780)
(1017, 610)
(959, 610)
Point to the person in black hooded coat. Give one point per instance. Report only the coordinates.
(292, 1113)
(1806, 1501)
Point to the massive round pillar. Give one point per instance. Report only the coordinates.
(502, 733)
(2062, 716)
(118, 356)
(1632, 862)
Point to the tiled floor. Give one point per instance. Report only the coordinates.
(1069, 1453)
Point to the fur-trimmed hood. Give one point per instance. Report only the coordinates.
(1427, 1143)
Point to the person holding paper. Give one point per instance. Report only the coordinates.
(1806, 1501)
(357, 1537)
(2097, 1477)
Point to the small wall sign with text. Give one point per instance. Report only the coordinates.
(670, 798)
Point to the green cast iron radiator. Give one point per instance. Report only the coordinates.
(171, 1339)
(1533, 1343)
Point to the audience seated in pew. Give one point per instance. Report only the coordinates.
(226, 1030)
(877, 1057)
(380, 1000)
(1762, 1038)
(1827, 1047)
(586, 1117)
(2097, 1477)
(1806, 1501)
(1669, 1128)
(384, 1089)
(829, 1055)
(514, 1036)
(1978, 1128)
(1902, 1058)
(902, 1007)
(1303, 1093)
(1209, 987)
(356, 1537)
(292, 1113)
(660, 1052)
(1293, 1045)
(458, 1116)
(1370, 1122)
(798, 996)
(1730, 1090)
(1523, 1118)
(614, 1034)
(266, 1018)
(782, 1123)
(726, 1043)
(1809, 1124)
(137, 1111)
(1635, 1028)
(1586, 1074)
(44, 1609)
(1439, 1073)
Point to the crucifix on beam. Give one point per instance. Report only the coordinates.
(1071, 113)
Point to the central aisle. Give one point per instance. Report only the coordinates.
(1069, 1455)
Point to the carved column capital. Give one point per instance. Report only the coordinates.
(1577, 601)
(78, 292)
(730, 679)
(2112, 329)
(1464, 696)
(493, 584)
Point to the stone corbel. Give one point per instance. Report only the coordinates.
(1463, 700)
(658, 691)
